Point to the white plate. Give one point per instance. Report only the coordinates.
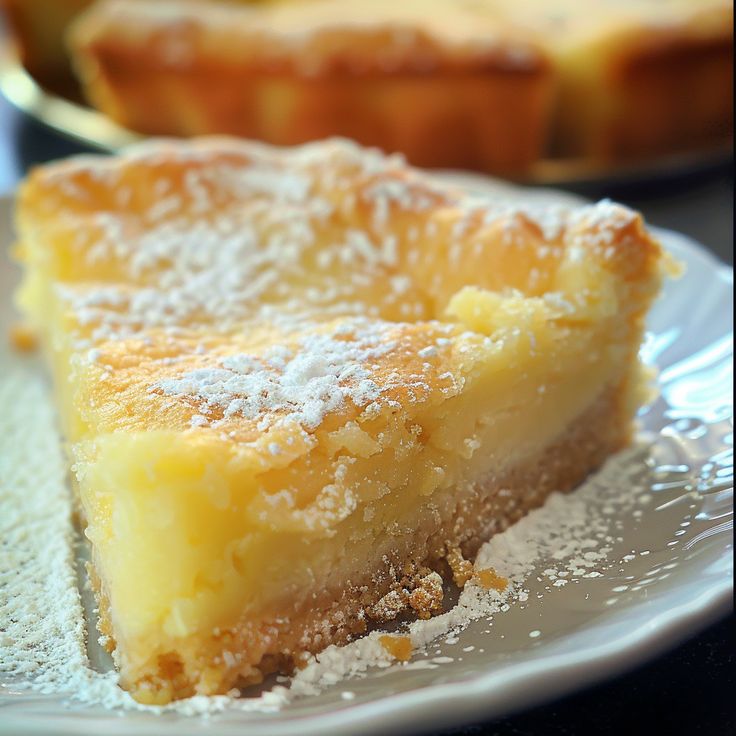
(592, 630)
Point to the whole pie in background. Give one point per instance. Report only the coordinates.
(491, 85)
(39, 30)
(494, 85)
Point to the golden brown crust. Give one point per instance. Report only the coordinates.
(287, 77)
(663, 89)
(677, 93)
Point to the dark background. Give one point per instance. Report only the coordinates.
(689, 690)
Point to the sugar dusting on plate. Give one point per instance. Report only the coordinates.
(42, 629)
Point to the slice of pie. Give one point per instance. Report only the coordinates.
(296, 382)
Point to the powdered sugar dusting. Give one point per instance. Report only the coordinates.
(571, 537)
(42, 647)
(41, 622)
(219, 231)
(288, 387)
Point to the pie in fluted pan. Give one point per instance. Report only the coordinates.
(37, 28)
(493, 85)
(297, 381)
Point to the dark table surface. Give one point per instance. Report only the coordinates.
(689, 690)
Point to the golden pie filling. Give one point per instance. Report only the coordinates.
(299, 385)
